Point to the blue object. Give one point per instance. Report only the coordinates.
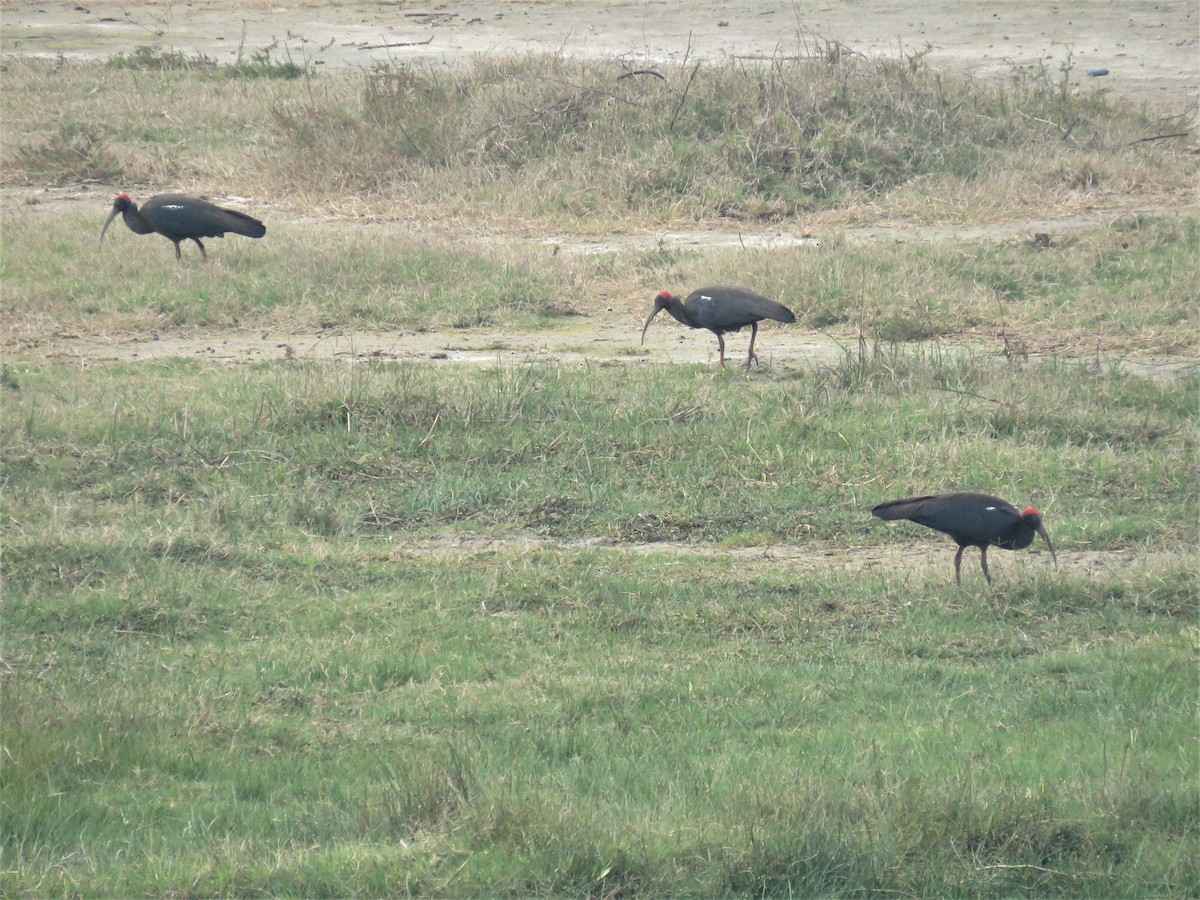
(1097, 73)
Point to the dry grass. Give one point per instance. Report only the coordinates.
(543, 141)
(1129, 286)
(448, 158)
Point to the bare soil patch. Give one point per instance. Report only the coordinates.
(1149, 50)
(913, 557)
(608, 339)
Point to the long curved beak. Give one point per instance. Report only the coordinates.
(657, 310)
(1046, 537)
(112, 214)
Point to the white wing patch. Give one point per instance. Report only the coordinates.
(172, 206)
(705, 297)
(989, 509)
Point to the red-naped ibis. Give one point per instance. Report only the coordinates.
(721, 309)
(973, 520)
(178, 217)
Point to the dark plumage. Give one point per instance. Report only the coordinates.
(973, 520)
(178, 217)
(721, 310)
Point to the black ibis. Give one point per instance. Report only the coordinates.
(178, 217)
(973, 520)
(720, 310)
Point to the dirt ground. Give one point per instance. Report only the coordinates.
(915, 551)
(1149, 49)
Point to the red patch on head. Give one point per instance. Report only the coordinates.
(663, 295)
(124, 197)
(1031, 511)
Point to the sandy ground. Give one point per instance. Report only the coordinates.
(607, 338)
(1151, 50)
(917, 550)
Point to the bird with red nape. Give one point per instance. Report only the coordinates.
(721, 309)
(972, 520)
(178, 217)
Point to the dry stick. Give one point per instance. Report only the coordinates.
(400, 44)
(962, 393)
(659, 75)
(587, 90)
(536, 114)
(1027, 866)
(687, 54)
(1158, 137)
(687, 87)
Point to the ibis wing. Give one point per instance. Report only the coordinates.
(179, 217)
(974, 524)
(971, 519)
(240, 223)
(726, 308)
(901, 509)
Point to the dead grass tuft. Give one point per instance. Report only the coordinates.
(510, 141)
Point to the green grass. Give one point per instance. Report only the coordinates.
(737, 140)
(1102, 291)
(257, 64)
(302, 277)
(242, 654)
(568, 722)
(611, 451)
(307, 628)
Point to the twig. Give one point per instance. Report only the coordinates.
(659, 75)
(687, 87)
(1026, 866)
(397, 44)
(1158, 137)
(432, 426)
(216, 467)
(962, 393)
(766, 56)
(583, 89)
(535, 115)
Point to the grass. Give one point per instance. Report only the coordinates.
(322, 628)
(548, 722)
(627, 454)
(587, 145)
(235, 652)
(1102, 291)
(257, 64)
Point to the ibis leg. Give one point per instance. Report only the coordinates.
(201, 246)
(178, 255)
(958, 565)
(752, 357)
(721, 348)
(983, 563)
